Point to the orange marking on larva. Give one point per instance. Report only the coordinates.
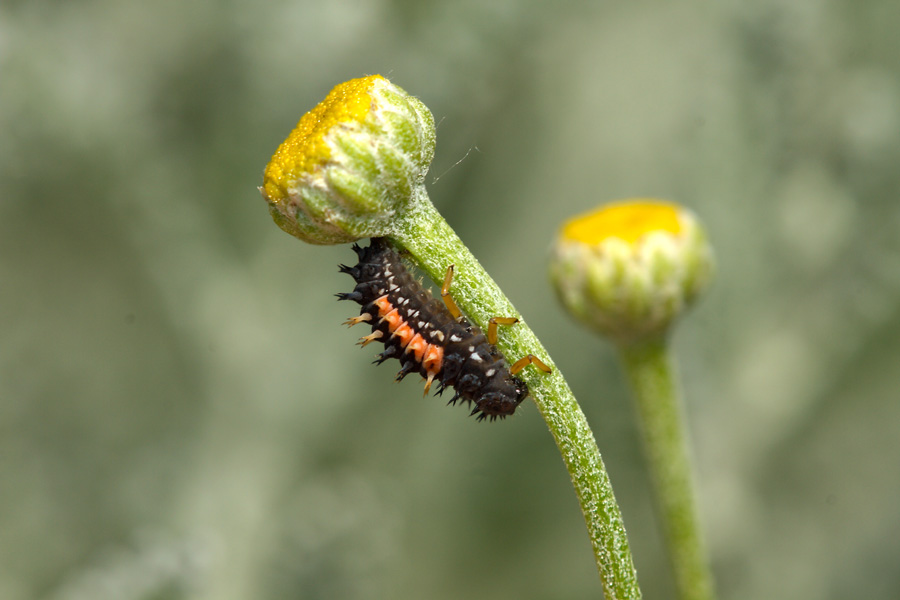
(388, 313)
(384, 305)
(418, 345)
(394, 320)
(434, 358)
(392, 317)
(405, 333)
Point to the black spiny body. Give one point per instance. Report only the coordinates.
(420, 332)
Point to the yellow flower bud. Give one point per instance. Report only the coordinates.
(351, 164)
(630, 268)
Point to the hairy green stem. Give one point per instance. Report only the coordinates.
(651, 373)
(433, 245)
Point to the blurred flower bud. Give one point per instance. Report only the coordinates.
(351, 164)
(629, 268)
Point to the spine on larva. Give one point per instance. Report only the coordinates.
(420, 332)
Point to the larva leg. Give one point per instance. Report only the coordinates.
(492, 326)
(445, 294)
(455, 312)
(529, 359)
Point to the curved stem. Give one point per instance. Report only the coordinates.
(434, 245)
(651, 372)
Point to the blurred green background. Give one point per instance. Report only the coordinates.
(181, 415)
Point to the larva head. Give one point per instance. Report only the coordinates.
(500, 397)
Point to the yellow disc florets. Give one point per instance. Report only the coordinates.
(629, 268)
(351, 164)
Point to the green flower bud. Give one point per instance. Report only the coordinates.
(351, 164)
(630, 268)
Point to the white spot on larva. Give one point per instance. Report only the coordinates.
(474, 356)
(471, 348)
(438, 334)
(421, 324)
(490, 372)
(455, 338)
